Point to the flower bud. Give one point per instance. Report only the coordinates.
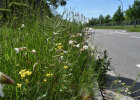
(4, 79)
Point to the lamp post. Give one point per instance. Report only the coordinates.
(121, 4)
(122, 7)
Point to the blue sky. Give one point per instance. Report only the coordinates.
(93, 8)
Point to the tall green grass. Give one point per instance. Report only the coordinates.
(38, 56)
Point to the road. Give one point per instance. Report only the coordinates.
(124, 49)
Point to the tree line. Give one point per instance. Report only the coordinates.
(131, 14)
(18, 10)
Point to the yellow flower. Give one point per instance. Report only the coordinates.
(55, 49)
(18, 85)
(123, 84)
(27, 81)
(45, 80)
(59, 43)
(22, 71)
(65, 67)
(28, 72)
(22, 76)
(48, 75)
(115, 81)
(59, 47)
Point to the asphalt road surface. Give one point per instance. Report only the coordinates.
(124, 49)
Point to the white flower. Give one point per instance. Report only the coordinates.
(90, 29)
(24, 54)
(126, 90)
(97, 56)
(70, 42)
(55, 33)
(65, 51)
(33, 51)
(26, 33)
(78, 45)
(17, 50)
(18, 28)
(1, 88)
(79, 34)
(85, 47)
(22, 26)
(61, 58)
(119, 81)
(22, 48)
(72, 36)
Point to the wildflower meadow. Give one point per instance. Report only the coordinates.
(47, 57)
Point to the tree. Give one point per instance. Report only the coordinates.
(133, 12)
(101, 19)
(94, 21)
(56, 3)
(129, 13)
(136, 9)
(107, 19)
(17, 8)
(118, 16)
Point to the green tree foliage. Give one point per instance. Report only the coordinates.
(129, 13)
(94, 21)
(101, 19)
(32, 8)
(118, 16)
(107, 19)
(134, 11)
(56, 3)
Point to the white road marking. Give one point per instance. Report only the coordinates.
(134, 37)
(137, 37)
(108, 33)
(138, 65)
(123, 33)
(117, 32)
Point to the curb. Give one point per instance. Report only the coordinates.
(109, 93)
(97, 94)
(96, 90)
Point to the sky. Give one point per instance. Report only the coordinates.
(93, 8)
